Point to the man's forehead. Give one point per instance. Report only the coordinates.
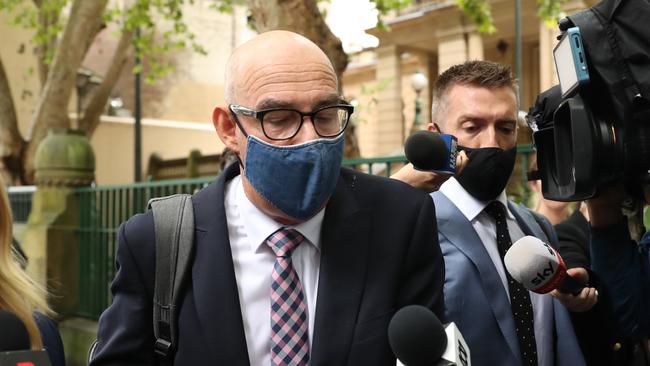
(296, 84)
(277, 48)
(467, 97)
(322, 100)
(278, 61)
(468, 91)
(256, 76)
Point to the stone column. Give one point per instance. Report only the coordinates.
(422, 62)
(547, 73)
(458, 44)
(425, 62)
(548, 40)
(388, 134)
(475, 46)
(64, 161)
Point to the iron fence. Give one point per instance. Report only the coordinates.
(104, 208)
(20, 200)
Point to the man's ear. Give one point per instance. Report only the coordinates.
(535, 185)
(226, 127)
(433, 127)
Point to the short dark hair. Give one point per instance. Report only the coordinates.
(486, 74)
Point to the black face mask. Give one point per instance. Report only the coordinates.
(487, 172)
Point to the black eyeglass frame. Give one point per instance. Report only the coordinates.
(259, 115)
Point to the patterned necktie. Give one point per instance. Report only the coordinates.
(289, 337)
(522, 309)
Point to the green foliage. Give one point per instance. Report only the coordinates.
(225, 6)
(161, 26)
(550, 11)
(369, 90)
(22, 15)
(45, 20)
(386, 6)
(159, 29)
(479, 12)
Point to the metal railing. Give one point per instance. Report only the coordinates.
(102, 210)
(378, 166)
(524, 151)
(20, 200)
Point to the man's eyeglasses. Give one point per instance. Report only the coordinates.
(284, 124)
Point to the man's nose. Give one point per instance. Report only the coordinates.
(307, 131)
(489, 138)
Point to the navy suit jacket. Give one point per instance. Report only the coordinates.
(474, 295)
(379, 252)
(51, 339)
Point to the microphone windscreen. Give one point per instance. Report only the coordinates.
(13, 333)
(426, 150)
(416, 336)
(535, 265)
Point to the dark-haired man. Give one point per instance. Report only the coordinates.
(503, 323)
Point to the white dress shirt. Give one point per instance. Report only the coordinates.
(253, 260)
(485, 227)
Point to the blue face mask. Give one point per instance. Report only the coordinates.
(297, 179)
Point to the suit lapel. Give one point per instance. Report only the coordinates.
(461, 234)
(213, 276)
(527, 222)
(344, 246)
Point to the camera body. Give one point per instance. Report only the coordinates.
(595, 127)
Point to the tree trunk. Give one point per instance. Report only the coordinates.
(11, 143)
(300, 16)
(52, 108)
(304, 17)
(100, 95)
(46, 18)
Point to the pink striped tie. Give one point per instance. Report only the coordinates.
(289, 337)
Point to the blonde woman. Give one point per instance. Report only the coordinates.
(21, 296)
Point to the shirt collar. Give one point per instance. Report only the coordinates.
(258, 226)
(469, 205)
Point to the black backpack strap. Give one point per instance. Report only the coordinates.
(174, 234)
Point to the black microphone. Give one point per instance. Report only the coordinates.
(418, 338)
(539, 268)
(15, 345)
(430, 151)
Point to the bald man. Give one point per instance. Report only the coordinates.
(297, 261)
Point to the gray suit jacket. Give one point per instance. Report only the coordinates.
(474, 295)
